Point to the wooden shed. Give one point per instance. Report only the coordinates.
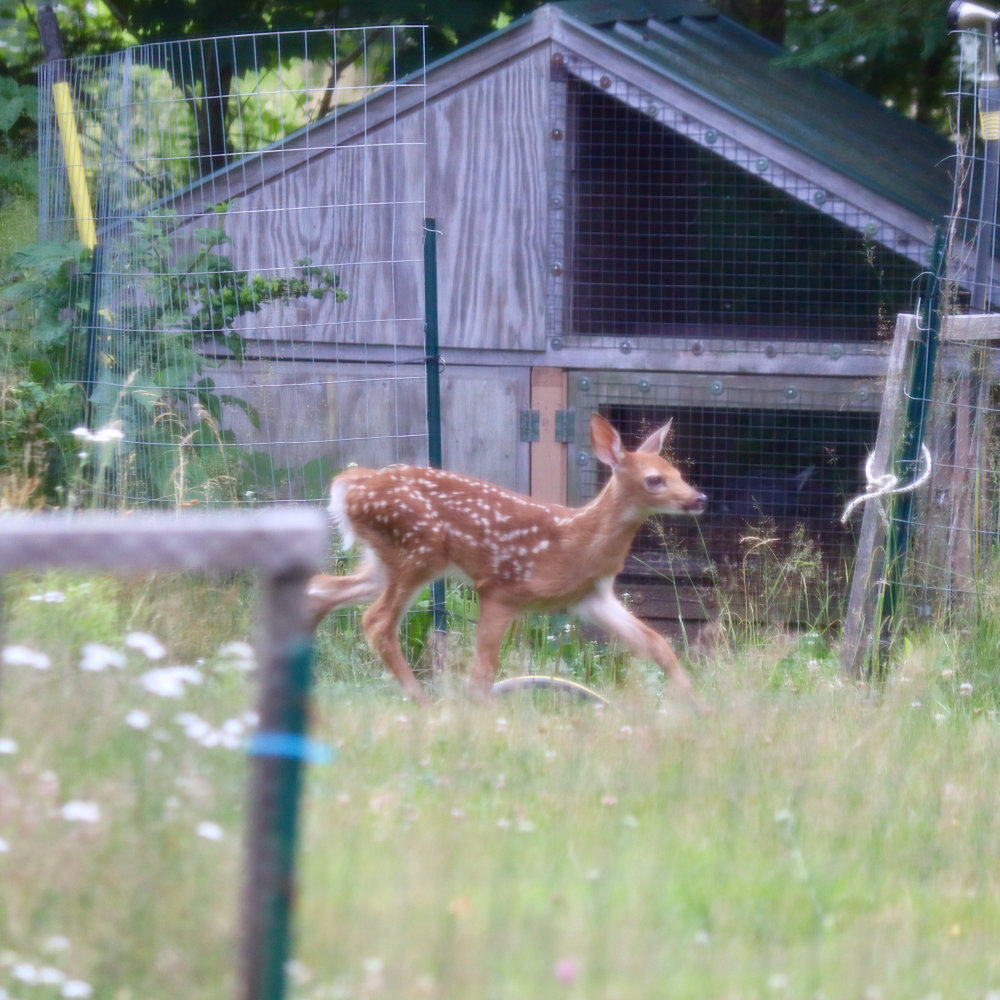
(640, 211)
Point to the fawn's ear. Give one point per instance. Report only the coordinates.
(606, 440)
(653, 445)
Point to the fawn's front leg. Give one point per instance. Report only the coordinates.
(604, 609)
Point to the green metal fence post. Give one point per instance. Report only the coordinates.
(918, 401)
(432, 364)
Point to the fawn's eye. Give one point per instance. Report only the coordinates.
(653, 482)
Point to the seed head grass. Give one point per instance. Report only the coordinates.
(810, 838)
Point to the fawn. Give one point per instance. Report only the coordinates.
(520, 554)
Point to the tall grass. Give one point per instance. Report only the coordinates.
(810, 838)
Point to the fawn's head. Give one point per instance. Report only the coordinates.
(651, 483)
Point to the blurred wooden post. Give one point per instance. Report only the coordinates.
(279, 751)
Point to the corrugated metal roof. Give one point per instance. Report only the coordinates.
(712, 56)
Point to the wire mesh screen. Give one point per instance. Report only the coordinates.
(257, 287)
(777, 459)
(674, 229)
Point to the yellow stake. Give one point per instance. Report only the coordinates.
(73, 154)
(989, 125)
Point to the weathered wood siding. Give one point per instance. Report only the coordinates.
(372, 416)
(359, 209)
(487, 189)
(356, 209)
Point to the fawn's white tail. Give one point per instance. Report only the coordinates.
(414, 524)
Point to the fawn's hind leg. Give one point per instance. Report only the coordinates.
(326, 593)
(494, 618)
(381, 624)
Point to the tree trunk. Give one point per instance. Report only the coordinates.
(214, 148)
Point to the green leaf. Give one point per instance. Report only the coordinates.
(250, 411)
(210, 237)
(10, 110)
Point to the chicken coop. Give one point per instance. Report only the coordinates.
(639, 210)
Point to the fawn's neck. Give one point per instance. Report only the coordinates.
(607, 524)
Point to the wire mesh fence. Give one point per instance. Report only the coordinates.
(940, 541)
(257, 258)
(953, 524)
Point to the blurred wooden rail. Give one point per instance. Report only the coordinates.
(284, 546)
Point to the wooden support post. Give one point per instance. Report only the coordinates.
(869, 565)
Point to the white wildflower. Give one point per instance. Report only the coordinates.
(103, 435)
(106, 434)
(98, 657)
(138, 719)
(146, 644)
(7, 745)
(49, 597)
(81, 812)
(24, 972)
(195, 728)
(210, 831)
(169, 682)
(23, 656)
(238, 655)
(76, 988)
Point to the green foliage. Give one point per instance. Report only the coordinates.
(901, 54)
(156, 352)
(18, 137)
(40, 398)
(85, 27)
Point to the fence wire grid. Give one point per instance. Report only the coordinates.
(244, 268)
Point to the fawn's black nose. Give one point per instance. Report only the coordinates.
(697, 503)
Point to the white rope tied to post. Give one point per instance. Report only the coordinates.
(886, 485)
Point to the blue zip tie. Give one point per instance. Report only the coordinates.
(290, 745)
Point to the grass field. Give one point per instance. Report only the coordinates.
(809, 838)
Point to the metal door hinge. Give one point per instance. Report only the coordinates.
(565, 426)
(529, 425)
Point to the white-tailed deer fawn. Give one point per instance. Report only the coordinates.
(414, 524)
